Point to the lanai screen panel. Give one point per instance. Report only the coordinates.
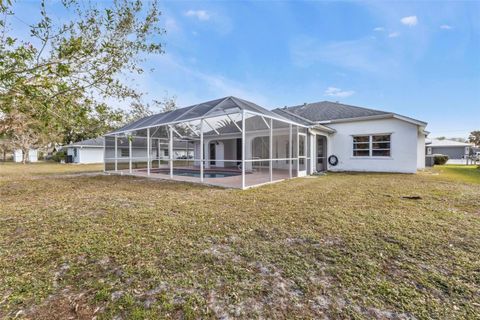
(257, 145)
(223, 147)
(281, 142)
(123, 154)
(109, 153)
(185, 151)
(159, 148)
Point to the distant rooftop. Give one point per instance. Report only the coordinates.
(446, 143)
(95, 142)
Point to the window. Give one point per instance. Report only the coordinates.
(124, 152)
(361, 146)
(371, 146)
(75, 152)
(429, 150)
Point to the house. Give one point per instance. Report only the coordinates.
(86, 151)
(91, 151)
(455, 150)
(32, 155)
(232, 142)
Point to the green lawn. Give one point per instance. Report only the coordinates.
(18, 171)
(336, 246)
(458, 173)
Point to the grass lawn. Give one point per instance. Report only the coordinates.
(336, 246)
(458, 173)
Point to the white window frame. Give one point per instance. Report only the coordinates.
(370, 145)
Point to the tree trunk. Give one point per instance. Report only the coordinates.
(25, 155)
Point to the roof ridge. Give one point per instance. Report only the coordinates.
(352, 106)
(295, 115)
(338, 103)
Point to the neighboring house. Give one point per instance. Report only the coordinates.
(91, 150)
(455, 150)
(32, 155)
(86, 151)
(246, 145)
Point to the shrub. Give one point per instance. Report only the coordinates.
(59, 156)
(440, 159)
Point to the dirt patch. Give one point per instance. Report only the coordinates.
(64, 305)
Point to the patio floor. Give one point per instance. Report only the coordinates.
(252, 178)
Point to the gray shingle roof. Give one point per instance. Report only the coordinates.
(95, 142)
(326, 110)
(446, 143)
(293, 116)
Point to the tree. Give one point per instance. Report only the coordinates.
(67, 71)
(23, 132)
(167, 104)
(138, 111)
(5, 146)
(475, 137)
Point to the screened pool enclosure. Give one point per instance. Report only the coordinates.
(227, 142)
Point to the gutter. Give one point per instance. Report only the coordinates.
(322, 128)
(377, 117)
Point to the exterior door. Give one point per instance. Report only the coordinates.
(302, 154)
(321, 156)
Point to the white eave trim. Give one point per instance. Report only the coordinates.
(323, 128)
(377, 117)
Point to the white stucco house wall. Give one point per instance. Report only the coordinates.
(405, 137)
(86, 151)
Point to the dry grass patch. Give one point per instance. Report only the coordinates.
(336, 246)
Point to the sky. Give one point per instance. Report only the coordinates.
(418, 59)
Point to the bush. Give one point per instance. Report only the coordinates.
(59, 156)
(440, 159)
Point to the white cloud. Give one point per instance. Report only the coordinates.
(201, 15)
(379, 29)
(446, 27)
(393, 34)
(338, 93)
(409, 21)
